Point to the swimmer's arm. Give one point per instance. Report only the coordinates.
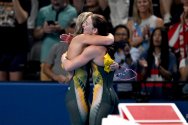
(81, 60)
(96, 39)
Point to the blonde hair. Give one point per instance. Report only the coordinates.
(80, 20)
(136, 15)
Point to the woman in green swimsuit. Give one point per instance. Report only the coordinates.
(104, 99)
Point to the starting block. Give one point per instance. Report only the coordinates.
(152, 113)
(146, 114)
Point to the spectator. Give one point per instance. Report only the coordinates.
(51, 21)
(126, 71)
(178, 41)
(127, 63)
(35, 6)
(52, 64)
(142, 24)
(32, 70)
(122, 34)
(13, 30)
(32, 66)
(156, 5)
(158, 64)
(126, 56)
(119, 11)
(34, 43)
(161, 9)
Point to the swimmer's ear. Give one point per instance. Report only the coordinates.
(95, 30)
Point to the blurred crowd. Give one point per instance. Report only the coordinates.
(151, 45)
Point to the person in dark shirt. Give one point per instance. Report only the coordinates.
(14, 44)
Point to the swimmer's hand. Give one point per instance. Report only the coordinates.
(66, 38)
(114, 66)
(63, 59)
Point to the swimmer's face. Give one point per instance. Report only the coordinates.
(88, 26)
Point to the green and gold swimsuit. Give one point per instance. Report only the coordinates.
(77, 97)
(104, 100)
